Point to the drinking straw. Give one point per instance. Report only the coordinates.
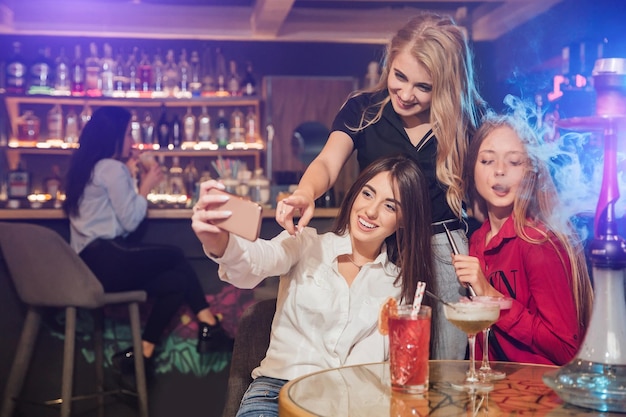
(217, 169)
(440, 300)
(455, 250)
(419, 295)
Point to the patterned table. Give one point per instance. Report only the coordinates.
(364, 391)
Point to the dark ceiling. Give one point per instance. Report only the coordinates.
(352, 21)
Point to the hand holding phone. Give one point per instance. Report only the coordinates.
(246, 218)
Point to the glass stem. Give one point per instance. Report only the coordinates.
(485, 365)
(471, 375)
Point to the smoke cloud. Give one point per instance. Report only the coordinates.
(576, 162)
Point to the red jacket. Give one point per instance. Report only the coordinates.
(541, 326)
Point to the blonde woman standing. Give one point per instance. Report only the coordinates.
(426, 106)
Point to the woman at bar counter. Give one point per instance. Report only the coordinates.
(426, 105)
(105, 208)
(331, 284)
(526, 249)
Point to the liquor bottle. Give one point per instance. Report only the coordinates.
(208, 72)
(204, 126)
(248, 84)
(259, 187)
(163, 188)
(176, 133)
(120, 80)
(52, 183)
(220, 73)
(205, 175)
(183, 75)
(170, 74)
(252, 126)
(221, 129)
(220, 63)
(147, 129)
(92, 72)
(77, 74)
(157, 76)
(41, 73)
(132, 71)
(18, 183)
(176, 181)
(163, 129)
(62, 75)
(229, 181)
(16, 71)
(135, 127)
(107, 71)
(237, 129)
(71, 127)
(84, 117)
(28, 126)
(233, 79)
(195, 80)
(189, 126)
(145, 73)
(55, 123)
(221, 87)
(190, 176)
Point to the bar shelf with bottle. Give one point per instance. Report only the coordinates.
(170, 81)
(13, 103)
(51, 146)
(42, 143)
(191, 111)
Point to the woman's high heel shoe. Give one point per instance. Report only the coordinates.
(213, 338)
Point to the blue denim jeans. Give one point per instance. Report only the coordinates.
(452, 342)
(261, 398)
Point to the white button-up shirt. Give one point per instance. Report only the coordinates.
(320, 321)
(110, 206)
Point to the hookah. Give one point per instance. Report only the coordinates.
(596, 377)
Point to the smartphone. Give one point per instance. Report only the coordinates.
(246, 218)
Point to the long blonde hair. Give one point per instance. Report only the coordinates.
(537, 205)
(441, 46)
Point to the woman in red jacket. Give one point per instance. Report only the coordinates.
(524, 250)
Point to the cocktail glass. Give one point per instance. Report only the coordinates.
(409, 341)
(472, 318)
(485, 372)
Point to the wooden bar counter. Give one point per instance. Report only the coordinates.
(171, 226)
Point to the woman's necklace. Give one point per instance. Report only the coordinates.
(354, 263)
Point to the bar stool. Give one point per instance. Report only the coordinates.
(47, 272)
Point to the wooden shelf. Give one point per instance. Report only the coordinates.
(13, 154)
(13, 102)
(15, 106)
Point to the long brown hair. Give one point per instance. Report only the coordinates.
(410, 246)
(536, 206)
(441, 46)
(103, 137)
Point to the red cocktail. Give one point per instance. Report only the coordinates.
(409, 341)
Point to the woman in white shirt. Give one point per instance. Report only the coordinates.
(105, 207)
(332, 284)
